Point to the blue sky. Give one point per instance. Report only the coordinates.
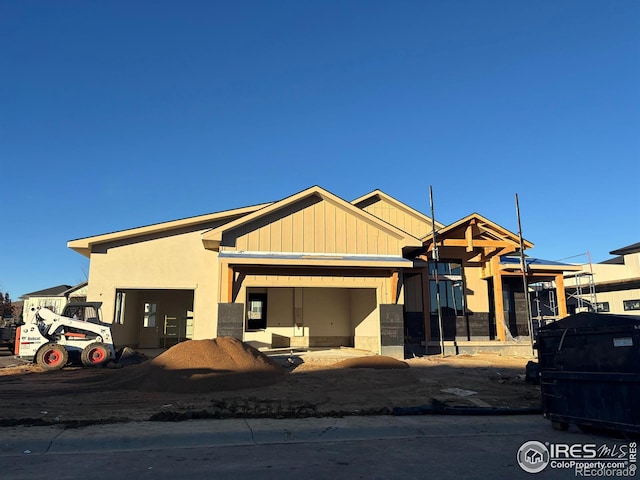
(117, 114)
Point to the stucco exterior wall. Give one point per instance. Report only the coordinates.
(616, 300)
(476, 289)
(169, 262)
(608, 273)
(365, 318)
(326, 315)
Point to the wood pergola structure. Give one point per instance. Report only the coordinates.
(485, 244)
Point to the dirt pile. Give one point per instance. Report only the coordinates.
(374, 361)
(219, 364)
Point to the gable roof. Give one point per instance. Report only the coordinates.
(56, 291)
(212, 238)
(397, 203)
(487, 227)
(83, 245)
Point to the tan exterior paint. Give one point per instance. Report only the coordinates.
(387, 208)
(176, 262)
(349, 231)
(321, 227)
(83, 245)
(326, 272)
(174, 267)
(331, 305)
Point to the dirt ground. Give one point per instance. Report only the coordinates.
(326, 383)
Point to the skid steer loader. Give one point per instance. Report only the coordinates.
(48, 338)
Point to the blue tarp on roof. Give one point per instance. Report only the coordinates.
(532, 262)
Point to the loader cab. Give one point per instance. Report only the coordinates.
(84, 311)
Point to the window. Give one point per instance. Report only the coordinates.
(257, 311)
(449, 274)
(602, 307)
(149, 315)
(119, 314)
(631, 304)
(446, 268)
(451, 297)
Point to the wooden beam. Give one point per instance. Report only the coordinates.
(454, 242)
(560, 295)
(230, 276)
(497, 300)
(468, 235)
(394, 287)
(506, 250)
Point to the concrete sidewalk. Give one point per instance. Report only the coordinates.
(137, 436)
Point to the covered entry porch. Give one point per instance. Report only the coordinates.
(307, 317)
(313, 306)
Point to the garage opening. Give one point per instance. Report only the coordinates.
(312, 317)
(152, 318)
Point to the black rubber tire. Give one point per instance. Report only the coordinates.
(95, 354)
(52, 356)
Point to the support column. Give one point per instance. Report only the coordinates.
(226, 283)
(561, 296)
(497, 299)
(394, 288)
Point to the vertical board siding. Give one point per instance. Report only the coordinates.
(340, 230)
(321, 227)
(307, 230)
(397, 217)
(330, 228)
(351, 235)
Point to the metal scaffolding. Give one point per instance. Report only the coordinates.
(584, 292)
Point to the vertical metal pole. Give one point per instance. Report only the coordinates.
(436, 258)
(592, 287)
(523, 266)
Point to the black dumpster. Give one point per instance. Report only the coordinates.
(590, 371)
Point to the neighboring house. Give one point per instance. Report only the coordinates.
(53, 298)
(311, 270)
(612, 286)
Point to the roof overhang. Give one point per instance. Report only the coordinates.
(475, 232)
(83, 245)
(312, 260)
(212, 239)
